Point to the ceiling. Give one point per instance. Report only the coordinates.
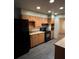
(44, 5)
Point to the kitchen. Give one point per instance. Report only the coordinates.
(45, 20)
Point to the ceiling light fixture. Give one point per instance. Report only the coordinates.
(61, 8)
(38, 7)
(51, 1)
(56, 13)
(49, 11)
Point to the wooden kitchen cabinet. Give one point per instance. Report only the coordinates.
(59, 52)
(60, 49)
(36, 39)
(33, 40)
(41, 38)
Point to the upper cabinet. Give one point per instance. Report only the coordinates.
(38, 20)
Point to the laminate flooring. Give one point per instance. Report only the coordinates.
(42, 51)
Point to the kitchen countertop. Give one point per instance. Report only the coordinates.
(37, 32)
(61, 43)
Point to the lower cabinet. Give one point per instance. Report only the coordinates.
(36, 39)
(40, 38)
(59, 52)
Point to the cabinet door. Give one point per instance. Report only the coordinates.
(41, 38)
(59, 52)
(31, 42)
(34, 41)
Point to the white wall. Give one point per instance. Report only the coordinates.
(56, 24)
(26, 12)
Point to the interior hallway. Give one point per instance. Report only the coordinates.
(43, 51)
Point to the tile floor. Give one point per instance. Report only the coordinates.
(43, 51)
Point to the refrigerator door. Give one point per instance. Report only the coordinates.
(21, 37)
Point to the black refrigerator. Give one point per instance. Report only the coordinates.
(21, 37)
